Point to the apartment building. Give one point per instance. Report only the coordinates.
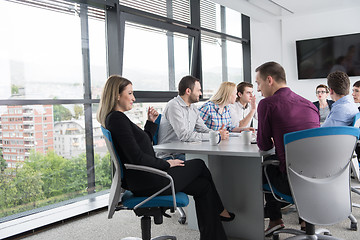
(23, 129)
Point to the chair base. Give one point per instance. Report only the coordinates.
(353, 224)
(300, 235)
(155, 238)
(182, 218)
(310, 234)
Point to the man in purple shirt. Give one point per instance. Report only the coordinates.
(281, 111)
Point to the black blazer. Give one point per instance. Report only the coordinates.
(329, 102)
(134, 146)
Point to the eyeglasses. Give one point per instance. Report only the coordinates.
(318, 92)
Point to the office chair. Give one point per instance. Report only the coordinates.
(144, 207)
(182, 218)
(318, 170)
(356, 121)
(355, 173)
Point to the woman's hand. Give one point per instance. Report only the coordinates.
(152, 114)
(224, 133)
(175, 162)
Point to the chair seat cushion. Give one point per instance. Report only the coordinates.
(130, 201)
(285, 197)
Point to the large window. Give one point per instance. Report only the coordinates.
(43, 156)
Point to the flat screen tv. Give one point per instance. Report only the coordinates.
(318, 57)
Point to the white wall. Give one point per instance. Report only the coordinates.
(275, 41)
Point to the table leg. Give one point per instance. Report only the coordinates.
(239, 183)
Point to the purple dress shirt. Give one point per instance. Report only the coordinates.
(282, 113)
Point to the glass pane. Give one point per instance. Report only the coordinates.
(233, 22)
(212, 65)
(146, 57)
(40, 53)
(138, 114)
(102, 157)
(235, 62)
(181, 55)
(44, 158)
(97, 44)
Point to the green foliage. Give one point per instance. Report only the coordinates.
(48, 178)
(28, 186)
(14, 89)
(8, 190)
(3, 164)
(61, 113)
(103, 171)
(79, 111)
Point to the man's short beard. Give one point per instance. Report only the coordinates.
(193, 99)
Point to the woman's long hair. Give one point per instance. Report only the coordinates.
(113, 87)
(223, 93)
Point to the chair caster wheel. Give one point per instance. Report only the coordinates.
(182, 220)
(275, 237)
(353, 226)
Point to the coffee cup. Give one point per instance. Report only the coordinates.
(246, 135)
(215, 138)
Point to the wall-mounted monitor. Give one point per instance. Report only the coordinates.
(318, 57)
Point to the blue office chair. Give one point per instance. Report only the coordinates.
(156, 135)
(318, 169)
(144, 207)
(355, 165)
(356, 121)
(182, 218)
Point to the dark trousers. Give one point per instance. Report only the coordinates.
(195, 179)
(279, 181)
(357, 151)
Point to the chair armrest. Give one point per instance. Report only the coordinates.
(157, 172)
(271, 162)
(265, 164)
(146, 169)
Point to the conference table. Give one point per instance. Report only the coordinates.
(237, 173)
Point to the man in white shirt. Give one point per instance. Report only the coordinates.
(244, 109)
(181, 118)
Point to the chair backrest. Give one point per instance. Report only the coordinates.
(318, 162)
(115, 190)
(355, 167)
(156, 135)
(355, 163)
(356, 121)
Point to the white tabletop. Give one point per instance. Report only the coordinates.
(234, 146)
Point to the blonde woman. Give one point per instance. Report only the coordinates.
(133, 145)
(215, 112)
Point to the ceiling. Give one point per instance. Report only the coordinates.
(264, 10)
